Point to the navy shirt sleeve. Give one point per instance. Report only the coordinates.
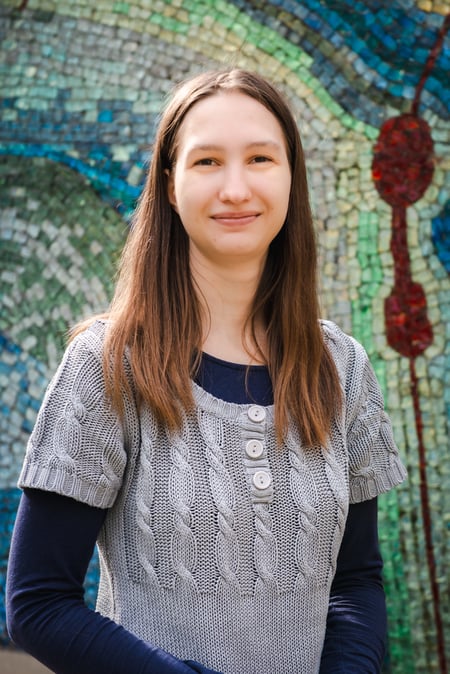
(355, 638)
(52, 544)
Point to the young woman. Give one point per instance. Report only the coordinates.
(222, 445)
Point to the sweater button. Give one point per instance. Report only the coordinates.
(254, 449)
(262, 480)
(256, 413)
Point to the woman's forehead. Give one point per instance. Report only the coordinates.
(225, 117)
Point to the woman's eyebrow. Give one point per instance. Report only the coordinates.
(211, 147)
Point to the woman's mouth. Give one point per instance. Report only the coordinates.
(235, 217)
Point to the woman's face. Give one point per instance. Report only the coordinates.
(231, 180)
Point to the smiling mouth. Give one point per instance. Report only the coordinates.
(235, 218)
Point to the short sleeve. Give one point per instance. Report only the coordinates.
(375, 466)
(77, 448)
(374, 462)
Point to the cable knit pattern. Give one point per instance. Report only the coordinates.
(181, 495)
(338, 484)
(305, 496)
(222, 488)
(218, 546)
(144, 570)
(266, 558)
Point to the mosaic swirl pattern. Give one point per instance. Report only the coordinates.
(82, 85)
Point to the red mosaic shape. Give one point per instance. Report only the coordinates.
(403, 161)
(408, 329)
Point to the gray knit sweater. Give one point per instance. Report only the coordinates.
(218, 546)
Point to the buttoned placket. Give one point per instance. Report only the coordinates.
(255, 457)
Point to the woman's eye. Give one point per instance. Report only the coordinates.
(205, 162)
(260, 159)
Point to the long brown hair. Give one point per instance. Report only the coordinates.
(155, 312)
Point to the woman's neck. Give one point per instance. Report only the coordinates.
(226, 297)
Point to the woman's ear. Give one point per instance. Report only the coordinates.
(171, 189)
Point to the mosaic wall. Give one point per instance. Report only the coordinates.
(81, 85)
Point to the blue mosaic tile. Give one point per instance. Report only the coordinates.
(440, 232)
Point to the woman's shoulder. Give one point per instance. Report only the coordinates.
(345, 350)
(89, 335)
(333, 333)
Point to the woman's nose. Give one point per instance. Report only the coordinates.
(235, 186)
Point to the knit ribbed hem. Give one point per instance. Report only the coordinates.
(60, 482)
(256, 634)
(368, 487)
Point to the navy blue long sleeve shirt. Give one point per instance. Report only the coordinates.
(54, 538)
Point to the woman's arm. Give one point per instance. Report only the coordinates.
(52, 544)
(355, 639)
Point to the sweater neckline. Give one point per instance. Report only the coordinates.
(230, 364)
(222, 408)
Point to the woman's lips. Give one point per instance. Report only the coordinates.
(239, 218)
